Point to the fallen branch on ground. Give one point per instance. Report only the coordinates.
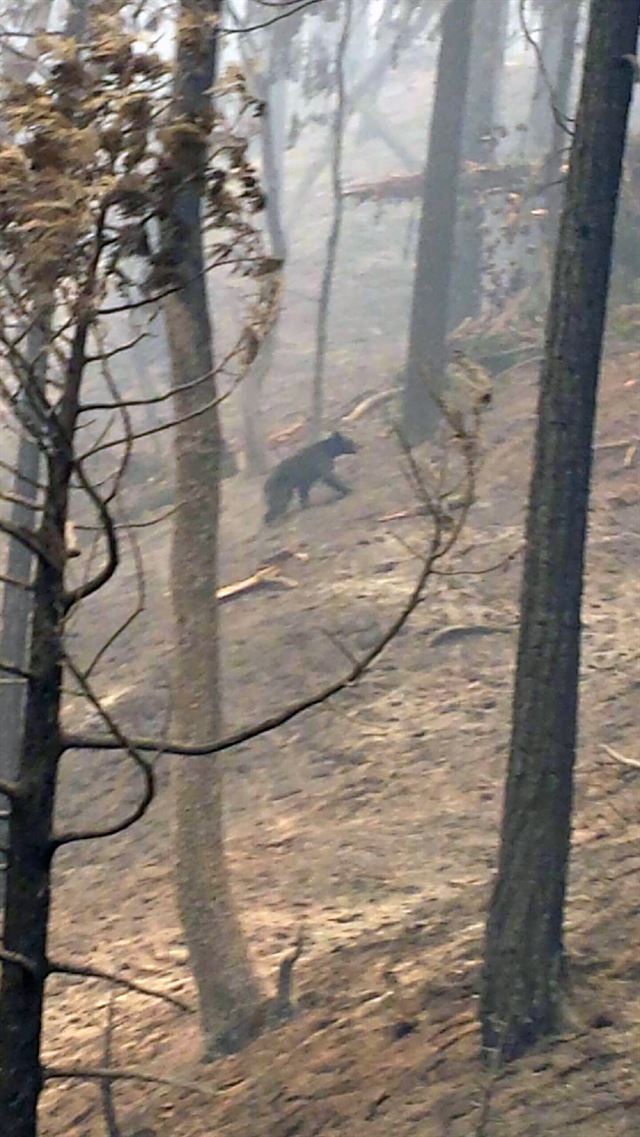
(632, 763)
(267, 577)
(121, 1074)
(462, 631)
(369, 404)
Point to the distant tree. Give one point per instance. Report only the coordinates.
(479, 143)
(562, 110)
(524, 951)
(338, 128)
(554, 67)
(426, 356)
(269, 85)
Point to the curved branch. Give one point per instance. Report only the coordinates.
(120, 1074)
(246, 734)
(119, 743)
(75, 595)
(55, 967)
(20, 960)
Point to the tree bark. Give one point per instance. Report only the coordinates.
(524, 951)
(28, 874)
(426, 357)
(317, 391)
(272, 144)
(483, 94)
(17, 604)
(550, 47)
(228, 992)
(561, 123)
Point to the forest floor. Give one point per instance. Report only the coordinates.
(372, 821)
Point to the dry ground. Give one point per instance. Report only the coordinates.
(372, 821)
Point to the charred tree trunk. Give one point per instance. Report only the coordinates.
(31, 840)
(524, 951)
(228, 992)
(28, 873)
(17, 603)
(426, 358)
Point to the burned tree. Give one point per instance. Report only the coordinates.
(424, 375)
(524, 951)
(86, 175)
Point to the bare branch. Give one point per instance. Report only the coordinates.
(119, 743)
(20, 960)
(13, 669)
(87, 971)
(133, 615)
(439, 546)
(74, 596)
(632, 763)
(13, 583)
(29, 540)
(122, 1074)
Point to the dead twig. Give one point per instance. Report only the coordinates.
(632, 763)
(122, 1074)
(462, 631)
(88, 971)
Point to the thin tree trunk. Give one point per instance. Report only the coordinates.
(485, 76)
(228, 992)
(560, 141)
(28, 872)
(483, 95)
(17, 603)
(317, 400)
(550, 46)
(272, 143)
(373, 77)
(426, 357)
(524, 951)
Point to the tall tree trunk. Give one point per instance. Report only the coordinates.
(521, 996)
(28, 871)
(426, 357)
(17, 603)
(483, 92)
(485, 76)
(560, 140)
(28, 874)
(550, 47)
(317, 394)
(272, 144)
(227, 989)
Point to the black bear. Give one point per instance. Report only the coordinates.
(302, 470)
